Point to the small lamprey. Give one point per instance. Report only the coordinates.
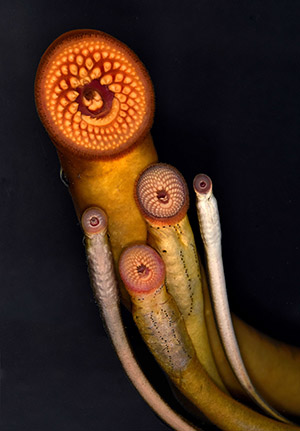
(210, 229)
(162, 327)
(103, 280)
(162, 196)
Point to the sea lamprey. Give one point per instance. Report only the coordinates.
(96, 101)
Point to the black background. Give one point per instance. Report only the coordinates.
(226, 78)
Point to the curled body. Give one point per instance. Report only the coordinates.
(159, 321)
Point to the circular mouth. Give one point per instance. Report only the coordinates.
(162, 195)
(142, 269)
(93, 221)
(93, 94)
(202, 185)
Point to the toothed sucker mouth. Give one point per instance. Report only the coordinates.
(93, 94)
(161, 194)
(141, 269)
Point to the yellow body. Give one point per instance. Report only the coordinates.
(81, 135)
(161, 326)
(273, 367)
(220, 408)
(176, 246)
(109, 184)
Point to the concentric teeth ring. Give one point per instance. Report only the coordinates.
(142, 269)
(161, 195)
(93, 94)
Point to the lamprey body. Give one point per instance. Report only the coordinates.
(162, 197)
(209, 222)
(104, 283)
(96, 101)
(162, 328)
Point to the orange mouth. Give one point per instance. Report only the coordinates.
(93, 94)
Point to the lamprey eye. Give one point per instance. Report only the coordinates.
(94, 220)
(93, 94)
(202, 184)
(63, 177)
(162, 195)
(141, 269)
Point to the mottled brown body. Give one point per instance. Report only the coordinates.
(176, 245)
(159, 322)
(163, 329)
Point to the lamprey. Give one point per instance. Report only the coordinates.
(104, 283)
(210, 228)
(162, 197)
(162, 327)
(96, 101)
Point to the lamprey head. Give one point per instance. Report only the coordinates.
(142, 269)
(93, 95)
(93, 221)
(162, 195)
(202, 186)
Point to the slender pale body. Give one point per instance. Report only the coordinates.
(210, 228)
(274, 367)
